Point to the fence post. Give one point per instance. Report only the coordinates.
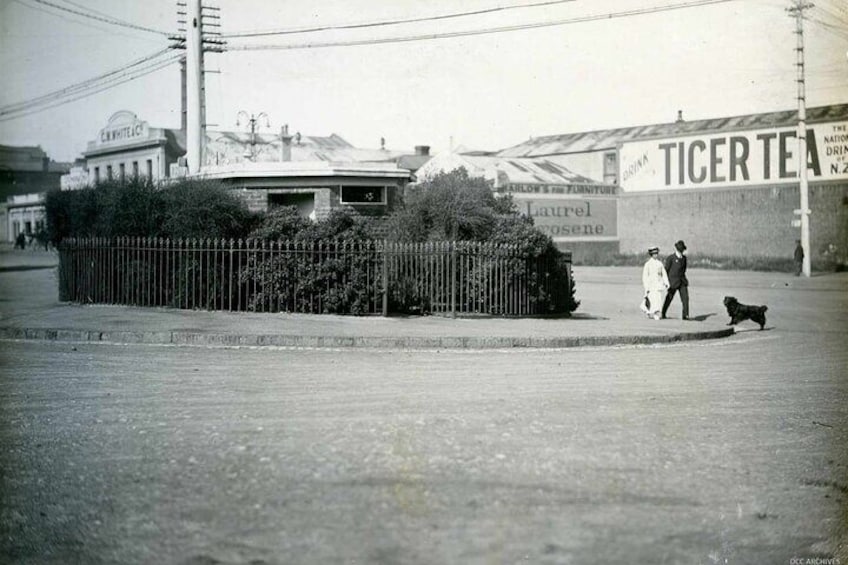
(570, 286)
(453, 277)
(385, 270)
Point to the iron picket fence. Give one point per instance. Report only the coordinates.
(343, 277)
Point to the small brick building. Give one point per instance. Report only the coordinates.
(316, 187)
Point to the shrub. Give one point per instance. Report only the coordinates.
(452, 206)
(202, 208)
(282, 222)
(323, 274)
(456, 207)
(140, 208)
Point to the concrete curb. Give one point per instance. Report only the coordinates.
(206, 339)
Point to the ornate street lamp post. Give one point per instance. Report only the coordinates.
(253, 123)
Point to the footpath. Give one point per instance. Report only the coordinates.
(608, 315)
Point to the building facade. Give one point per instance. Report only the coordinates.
(26, 173)
(315, 187)
(728, 186)
(316, 174)
(127, 148)
(580, 214)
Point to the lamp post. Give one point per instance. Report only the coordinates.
(253, 123)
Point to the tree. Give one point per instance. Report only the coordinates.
(451, 206)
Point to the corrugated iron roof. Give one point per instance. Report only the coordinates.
(228, 147)
(598, 140)
(519, 170)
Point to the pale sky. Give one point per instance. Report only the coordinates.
(487, 91)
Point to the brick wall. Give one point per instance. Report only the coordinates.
(256, 200)
(589, 252)
(751, 222)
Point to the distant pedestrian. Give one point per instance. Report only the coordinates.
(655, 282)
(41, 238)
(799, 257)
(20, 241)
(675, 266)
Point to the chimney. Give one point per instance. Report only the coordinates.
(422, 150)
(679, 116)
(285, 143)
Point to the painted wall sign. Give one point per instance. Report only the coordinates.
(733, 159)
(123, 127)
(561, 189)
(572, 217)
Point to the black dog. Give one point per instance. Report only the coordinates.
(740, 312)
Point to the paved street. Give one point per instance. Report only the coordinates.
(722, 451)
(726, 450)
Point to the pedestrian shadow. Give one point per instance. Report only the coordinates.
(701, 317)
(582, 316)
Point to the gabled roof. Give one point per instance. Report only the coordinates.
(227, 147)
(505, 170)
(608, 139)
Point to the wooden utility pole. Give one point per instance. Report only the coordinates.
(194, 78)
(798, 11)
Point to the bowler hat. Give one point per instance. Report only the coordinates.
(680, 246)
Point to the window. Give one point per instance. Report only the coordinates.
(135, 169)
(108, 172)
(303, 201)
(150, 168)
(363, 195)
(122, 171)
(96, 175)
(610, 168)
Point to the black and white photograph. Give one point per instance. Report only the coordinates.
(553, 282)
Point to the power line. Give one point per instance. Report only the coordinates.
(108, 20)
(835, 30)
(69, 90)
(391, 22)
(112, 84)
(94, 88)
(518, 27)
(92, 10)
(72, 20)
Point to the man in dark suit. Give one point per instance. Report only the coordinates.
(675, 266)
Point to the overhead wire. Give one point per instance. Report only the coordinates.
(93, 88)
(391, 22)
(503, 29)
(835, 30)
(108, 20)
(116, 82)
(69, 90)
(64, 16)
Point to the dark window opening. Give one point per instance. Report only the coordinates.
(363, 195)
(304, 202)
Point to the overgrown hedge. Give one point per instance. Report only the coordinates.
(141, 208)
(452, 206)
(455, 206)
